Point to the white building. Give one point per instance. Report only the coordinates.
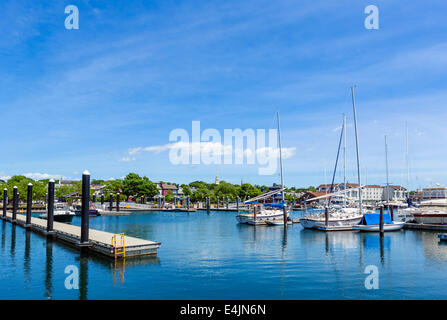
(434, 192)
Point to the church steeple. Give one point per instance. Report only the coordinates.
(217, 179)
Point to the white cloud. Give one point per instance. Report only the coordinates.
(127, 159)
(40, 176)
(207, 148)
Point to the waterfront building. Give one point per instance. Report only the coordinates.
(436, 191)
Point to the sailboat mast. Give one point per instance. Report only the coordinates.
(387, 181)
(344, 160)
(406, 160)
(282, 177)
(280, 155)
(357, 151)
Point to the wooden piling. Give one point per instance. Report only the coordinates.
(50, 207)
(326, 217)
(15, 204)
(381, 221)
(5, 202)
(29, 205)
(117, 202)
(85, 211)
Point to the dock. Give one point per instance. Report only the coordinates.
(422, 226)
(99, 241)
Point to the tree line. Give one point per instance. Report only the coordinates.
(134, 185)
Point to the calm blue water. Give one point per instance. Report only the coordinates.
(212, 257)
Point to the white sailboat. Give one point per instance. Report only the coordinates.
(371, 222)
(267, 213)
(343, 218)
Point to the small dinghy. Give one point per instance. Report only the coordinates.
(371, 223)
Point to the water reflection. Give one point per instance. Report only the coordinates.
(13, 241)
(26, 260)
(3, 235)
(83, 276)
(48, 268)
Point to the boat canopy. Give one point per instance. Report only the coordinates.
(276, 205)
(374, 218)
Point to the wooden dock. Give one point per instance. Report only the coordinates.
(99, 241)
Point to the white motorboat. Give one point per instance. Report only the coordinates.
(61, 213)
(431, 212)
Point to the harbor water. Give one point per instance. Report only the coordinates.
(210, 256)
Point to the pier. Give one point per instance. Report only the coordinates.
(81, 237)
(100, 241)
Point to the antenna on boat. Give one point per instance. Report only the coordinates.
(357, 149)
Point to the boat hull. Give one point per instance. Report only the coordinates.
(318, 224)
(430, 218)
(396, 226)
(260, 219)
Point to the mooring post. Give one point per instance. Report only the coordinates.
(207, 205)
(284, 212)
(254, 214)
(117, 202)
(392, 213)
(326, 217)
(15, 204)
(159, 202)
(50, 207)
(227, 203)
(29, 205)
(102, 199)
(111, 202)
(217, 202)
(237, 204)
(381, 221)
(5, 202)
(164, 201)
(85, 211)
(187, 203)
(94, 198)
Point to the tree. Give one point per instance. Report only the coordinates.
(134, 185)
(247, 190)
(113, 186)
(186, 190)
(225, 189)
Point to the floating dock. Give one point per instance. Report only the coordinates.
(99, 241)
(422, 226)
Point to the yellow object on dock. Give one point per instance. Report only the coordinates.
(119, 247)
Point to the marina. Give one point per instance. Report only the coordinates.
(211, 257)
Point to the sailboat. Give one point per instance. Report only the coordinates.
(267, 213)
(339, 218)
(371, 221)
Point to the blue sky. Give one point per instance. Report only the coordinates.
(135, 70)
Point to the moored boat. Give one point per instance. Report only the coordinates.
(431, 212)
(61, 213)
(371, 223)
